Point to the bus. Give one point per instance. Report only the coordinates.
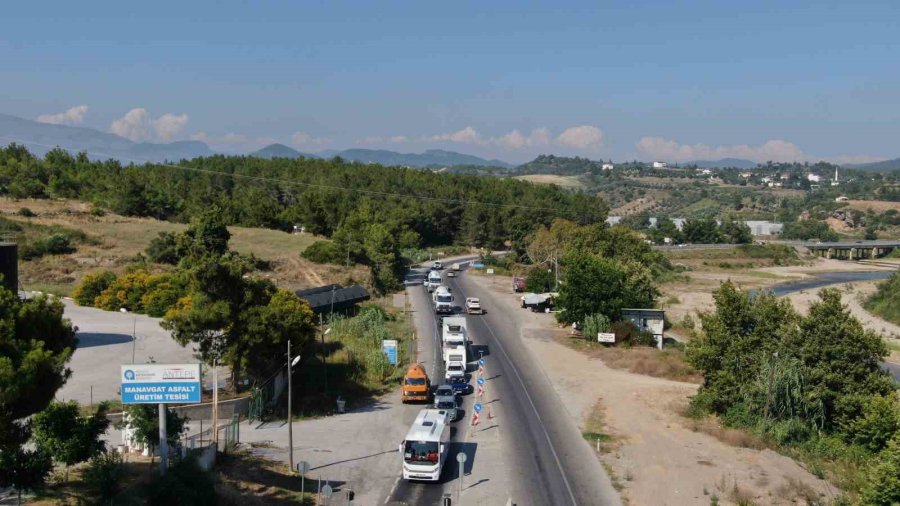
(426, 446)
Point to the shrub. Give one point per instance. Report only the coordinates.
(103, 476)
(883, 487)
(324, 252)
(28, 213)
(540, 279)
(594, 324)
(879, 423)
(98, 211)
(625, 332)
(185, 484)
(162, 293)
(163, 249)
(92, 285)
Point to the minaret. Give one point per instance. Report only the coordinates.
(835, 174)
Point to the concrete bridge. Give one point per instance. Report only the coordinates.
(852, 250)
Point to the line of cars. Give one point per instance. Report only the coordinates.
(426, 446)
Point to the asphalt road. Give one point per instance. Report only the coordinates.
(553, 463)
(427, 326)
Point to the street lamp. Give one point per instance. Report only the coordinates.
(291, 363)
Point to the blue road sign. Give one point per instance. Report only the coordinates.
(160, 383)
(477, 265)
(389, 347)
(481, 381)
(480, 361)
(477, 407)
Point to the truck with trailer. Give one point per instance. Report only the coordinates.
(426, 446)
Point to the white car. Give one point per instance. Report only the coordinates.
(451, 274)
(455, 369)
(473, 305)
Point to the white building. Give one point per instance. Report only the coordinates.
(660, 165)
(813, 178)
(705, 172)
(607, 166)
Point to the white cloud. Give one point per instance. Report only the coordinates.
(584, 137)
(581, 137)
(304, 139)
(467, 135)
(73, 116)
(669, 150)
(137, 125)
(169, 125)
(131, 126)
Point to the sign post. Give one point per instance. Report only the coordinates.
(461, 458)
(389, 347)
(606, 337)
(161, 384)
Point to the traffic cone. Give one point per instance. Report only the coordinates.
(474, 419)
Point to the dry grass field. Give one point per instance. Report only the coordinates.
(117, 240)
(561, 181)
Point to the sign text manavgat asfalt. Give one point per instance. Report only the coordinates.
(160, 383)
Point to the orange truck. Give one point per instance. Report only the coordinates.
(416, 385)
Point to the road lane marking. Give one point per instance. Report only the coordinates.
(533, 408)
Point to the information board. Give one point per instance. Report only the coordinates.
(160, 383)
(389, 347)
(606, 337)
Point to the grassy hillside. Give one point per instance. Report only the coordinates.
(112, 241)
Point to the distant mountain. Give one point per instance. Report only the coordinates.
(882, 166)
(559, 165)
(280, 151)
(724, 163)
(432, 158)
(40, 138)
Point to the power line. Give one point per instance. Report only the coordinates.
(297, 183)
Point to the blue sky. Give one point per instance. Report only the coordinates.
(620, 80)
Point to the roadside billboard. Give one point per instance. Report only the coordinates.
(389, 347)
(606, 337)
(160, 383)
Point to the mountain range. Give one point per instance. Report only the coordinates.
(40, 138)
(432, 158)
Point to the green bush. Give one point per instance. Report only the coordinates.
(98, 211)
(28, 213)
(790, 432)
(883, 487)
(879, 423)
(594, 324)
(163, 249)
(324, 252)
(186, 484)
(103, 476)
(92, 285)
(540, 279)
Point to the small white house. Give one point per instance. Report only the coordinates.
(660, 165)
(647, 320)
(705, 172)
(607, 166)
(842, 198)
(813, 178)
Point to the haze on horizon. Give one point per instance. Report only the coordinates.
(654, 80)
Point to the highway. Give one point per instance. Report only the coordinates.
(548, 461)
(552, 462)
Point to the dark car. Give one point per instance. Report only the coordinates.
(459, 384)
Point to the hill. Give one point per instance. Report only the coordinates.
(724, 163)
(882, 166)
(280, 151)
(559, 165)
(42, 137)
(432, 158)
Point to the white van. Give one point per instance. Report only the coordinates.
(426, 446)
(443, 300)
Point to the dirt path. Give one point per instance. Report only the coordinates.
(659, 459)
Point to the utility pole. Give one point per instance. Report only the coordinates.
(290, 410)
(163, 441)
(215, 413)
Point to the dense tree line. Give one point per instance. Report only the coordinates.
(322, 195)
(808, 381)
